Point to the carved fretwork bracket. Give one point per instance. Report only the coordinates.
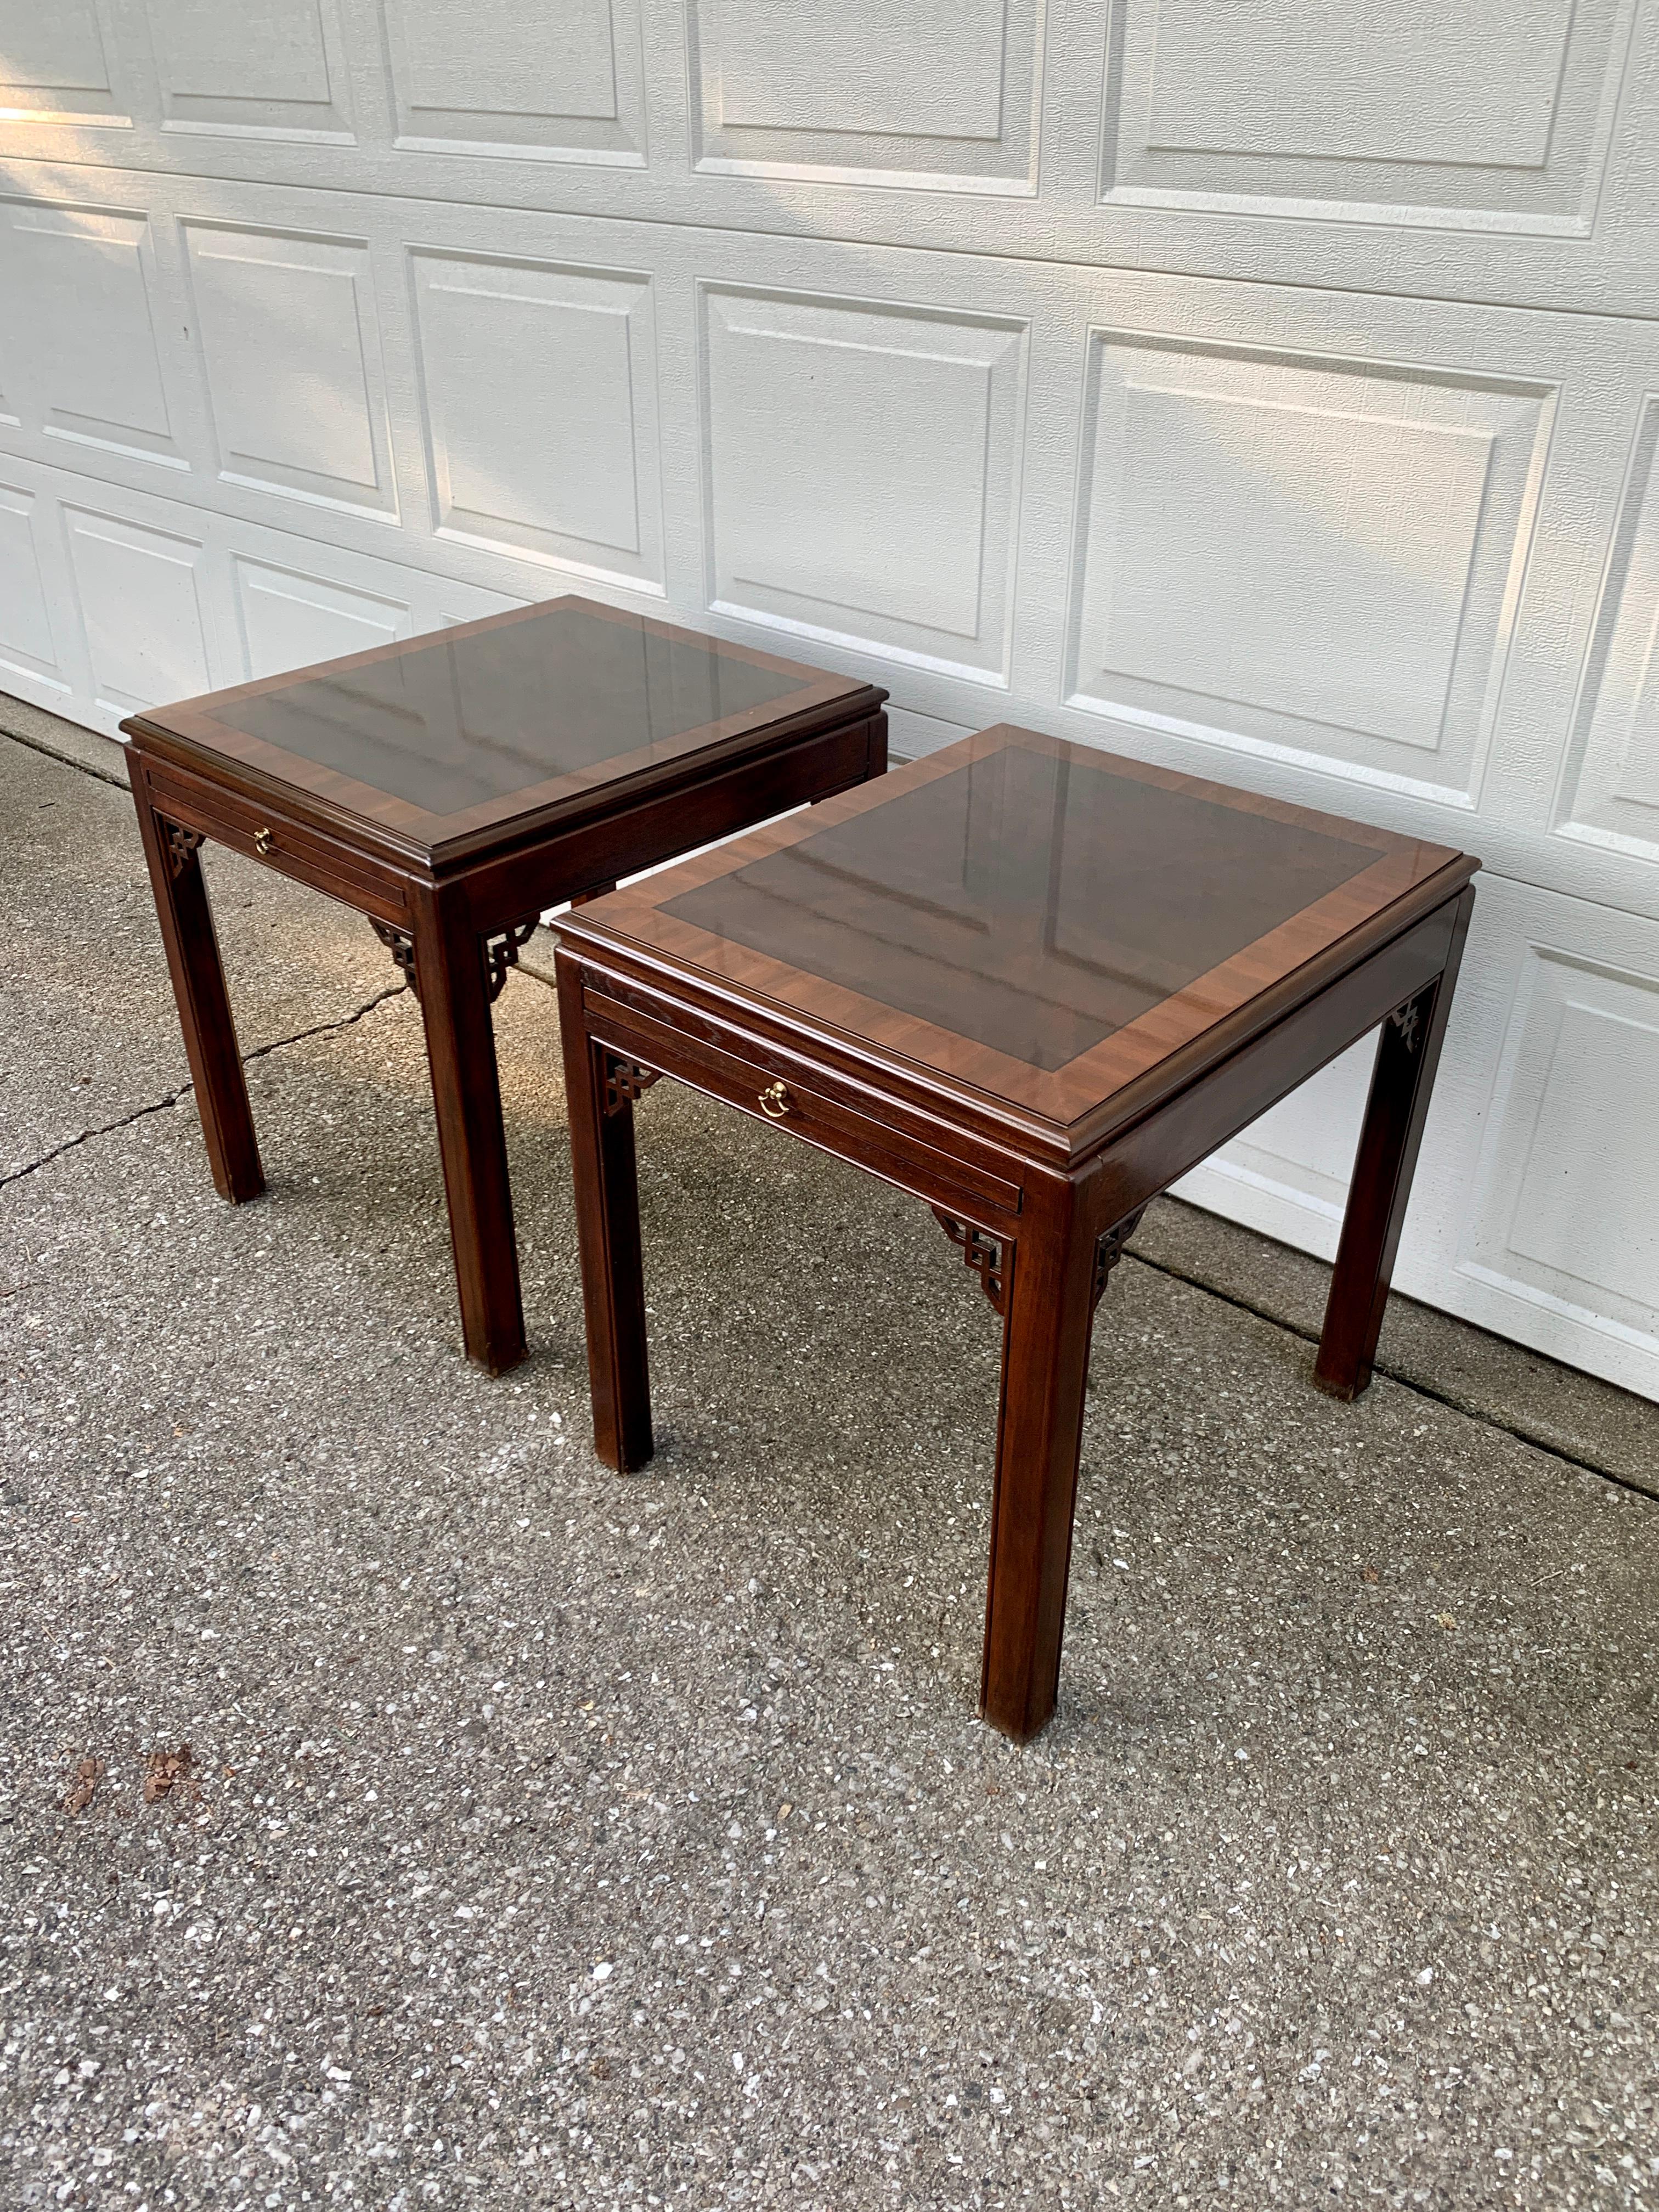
(180, 846)
(625, 1080)
(501, 952)
(1108, 1250)
(1407, 1019)
(982, 1252)
(401, 946)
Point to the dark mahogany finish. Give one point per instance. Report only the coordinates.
(452, 789)
(1033, 984)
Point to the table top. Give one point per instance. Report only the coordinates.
(473, 728)
(1042, 921)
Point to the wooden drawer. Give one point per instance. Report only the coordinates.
(785, 1090)
(267, 835)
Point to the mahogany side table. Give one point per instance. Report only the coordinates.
(1033, 984)
(452, 789)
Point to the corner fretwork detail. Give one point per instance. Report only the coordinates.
(501, 952)
(180, 846)
(401, 946)
(1407, 1019)
(984, 1254)
(625, 1080)
(1108, 1250)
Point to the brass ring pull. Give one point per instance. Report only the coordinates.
(775, 1101)
(263, 840)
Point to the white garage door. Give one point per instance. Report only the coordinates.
(1265, 387)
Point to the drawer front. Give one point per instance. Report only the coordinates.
(265, 834)
(786, 1091)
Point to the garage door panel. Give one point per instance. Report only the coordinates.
(290, 347)
(84, 360)
(276, 71)
(539, 410)
(1318, 554)
(1609, 794)
(940, 92)
(54, 64)
(863, 466)
(518, 80)
(1498, 115)
(28, 641)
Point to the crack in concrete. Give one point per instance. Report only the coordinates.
(1395, 1375)
(161, 1105)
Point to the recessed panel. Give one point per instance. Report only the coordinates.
(289, 620)
(291, 354)
(863, 472)
(1317, 556)
(1495, 114)
(53, 67)
(273, 71)
(139, 609)
(78, 280)
(1569, 1207)
(563, 83)
(1611, 794)
(539, 384)
(936, 92)
(26, 638)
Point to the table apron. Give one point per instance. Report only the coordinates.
(1182, 1133)
(891, 1154)
(294, 849)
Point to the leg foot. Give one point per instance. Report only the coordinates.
(449, 960)
(1048, 1307)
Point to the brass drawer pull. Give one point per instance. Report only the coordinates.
(775, 1101)
(263, 840)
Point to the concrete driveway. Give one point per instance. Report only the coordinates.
(402, 1809)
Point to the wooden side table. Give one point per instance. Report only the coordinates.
(452, 789)
(1033, 984)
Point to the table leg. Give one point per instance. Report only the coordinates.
(460, 1048)
(600, 1092)
(1402, 1082)
(204, 1015)
(1048, 1307)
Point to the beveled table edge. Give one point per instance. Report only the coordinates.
(218, 748)
(611, 921)
(592, 801)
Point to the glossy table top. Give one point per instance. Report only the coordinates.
(483, 722)
(1042, 920)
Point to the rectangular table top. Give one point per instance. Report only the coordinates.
(1040, 921)
(473, 728)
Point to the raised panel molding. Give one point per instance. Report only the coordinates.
(863, 468)
(562, 83)
(53, 64)
(1492, 116)
(26, 633)
(288, 619)
(1610, 787)
(139, 608)
(86, 348)
(273, 71)
(1566, 1211)
(1316, 558)
(290, 354)
(539, 389)
(930, 93)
